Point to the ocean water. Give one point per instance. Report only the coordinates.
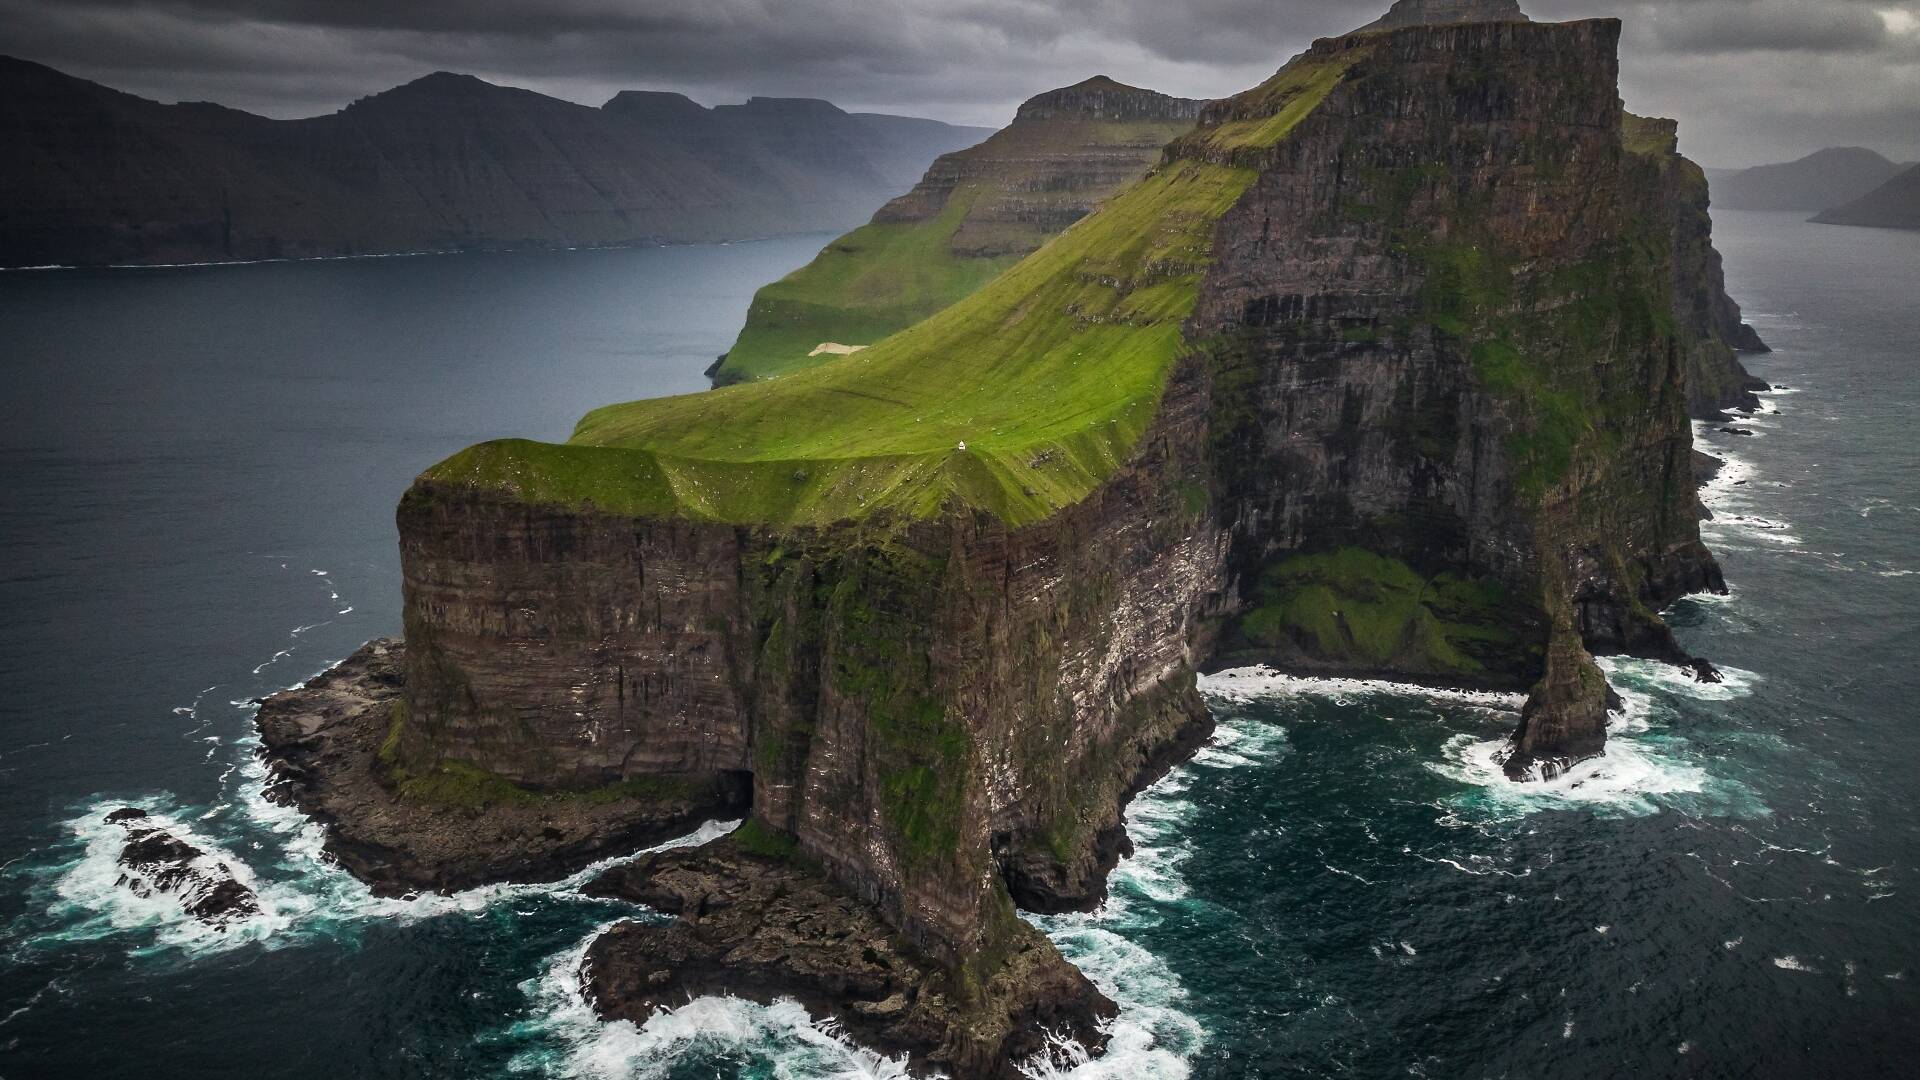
(202, 465)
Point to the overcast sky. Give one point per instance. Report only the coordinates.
(1750, 80)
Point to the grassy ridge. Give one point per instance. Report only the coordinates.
(1018, 400)
(875, 280)
(884, 277)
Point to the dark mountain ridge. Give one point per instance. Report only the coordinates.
(446, 162)
(1822, 180)
(1893, 205)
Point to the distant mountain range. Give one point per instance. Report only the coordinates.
(1893, 205)
(91, 175)
(1819, 181)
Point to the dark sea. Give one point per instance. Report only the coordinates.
(201, 470)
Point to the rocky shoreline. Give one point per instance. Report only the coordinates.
(764, 925)
(751, 917)
(323, 741)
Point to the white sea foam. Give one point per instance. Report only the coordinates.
(1154, 1034)
(89, 902)
(1638, 773)
(1635, 680)
(575, 1042)
(1252, 683)
(1731, 496)
(300, 890)
(1794, 963)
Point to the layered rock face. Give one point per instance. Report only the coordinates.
(1449, 311)
(444, 163)
(1388, 365)
(1065, 150)
(333, 749)
(946, 716)
(975, 212)
(1716, 380)
(917, 707)
(1405, 13)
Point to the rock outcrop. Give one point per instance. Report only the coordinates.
(759, 926)
(330, 750)
(1893, 205)
(155, 862)
(975, 213)
(444, 163)
(1384, 369)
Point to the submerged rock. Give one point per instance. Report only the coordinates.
(154, 861)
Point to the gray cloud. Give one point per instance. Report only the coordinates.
(1750, 80)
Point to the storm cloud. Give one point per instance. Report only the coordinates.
(1750, 80)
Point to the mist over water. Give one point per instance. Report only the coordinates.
(203, 468)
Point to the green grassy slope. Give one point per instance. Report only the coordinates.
(1019, 400)
(872, 282)
(885, 276)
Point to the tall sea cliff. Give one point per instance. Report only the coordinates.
(1384, 369)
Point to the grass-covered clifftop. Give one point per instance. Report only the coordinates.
(1019, 400)
(975, 213)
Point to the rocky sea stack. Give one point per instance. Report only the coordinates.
(1385, 369)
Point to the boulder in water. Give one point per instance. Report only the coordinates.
(156, 861)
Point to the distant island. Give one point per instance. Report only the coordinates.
(1893, 205)
(1820, 181)
(444, 163)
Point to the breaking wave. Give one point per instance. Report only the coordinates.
(572, 1041)
(1246, 684)
(1645, 767)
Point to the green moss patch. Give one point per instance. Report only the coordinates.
(758, 838)
(1357, 610)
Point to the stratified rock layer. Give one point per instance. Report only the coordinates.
(1405, 13)
(327, 745)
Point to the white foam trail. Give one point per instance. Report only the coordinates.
(1252, 683)
(1730, 495)
(300, 890)
(580, 1044)
(1794, 963)
(1634, 680)
(1154, 1035)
